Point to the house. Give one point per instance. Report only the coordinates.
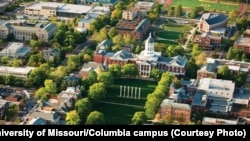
(90, 66)
(145, 61)
(36, 121)
(51, 117)
(170, 108)
(63, 103)
(210, 21)
(50, 54)
(15, 50)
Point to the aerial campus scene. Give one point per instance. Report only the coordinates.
(124, 62)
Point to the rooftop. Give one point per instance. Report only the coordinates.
(144, 4)
(218, 121)
(61, 7)
(214, 18)
(170, 103)
(22, 70)
(243, 41)
(90, 66)
(199, 99)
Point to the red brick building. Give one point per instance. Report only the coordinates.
(170, 108)
(145, 61)
(243, 44)
(136, 28)
(207, 41)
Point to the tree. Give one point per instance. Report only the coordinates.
(90, 79)
(106, 78)
(72, 118)
(168, 119)
(130, 70)
(112, 32)
(50, 86)
(16, 62)
(5, 59)
(95, 118)
(83, 108)
(156, 73)
(224, 73)
(97, 91)
(58, 73)
(139, 118)
(191, 68)
(177, 83)
(115, 70)
(41, 92)
(240, 79)
(230, 53)
(118, 39)
(244, 57)
(201, 59)
(11, 112)
(151, 106)
(178, 11)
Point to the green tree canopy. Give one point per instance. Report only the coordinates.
(139, 118)
(95, 118)
(72, 118)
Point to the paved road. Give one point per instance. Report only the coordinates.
(180, 19)
(79, 48)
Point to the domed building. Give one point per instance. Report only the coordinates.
(147, 60)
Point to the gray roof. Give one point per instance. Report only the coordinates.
(209, 67)
(90, 65)
(142, 24)
(48, 116)
(170, 103)
(174, 61)
(197, 100)
(216, 19)
(2, 22)
(122, 55)
(50, 26)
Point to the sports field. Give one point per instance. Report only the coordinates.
(208, 5)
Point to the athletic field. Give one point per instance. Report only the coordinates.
(208, 5)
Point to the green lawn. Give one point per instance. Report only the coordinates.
(170, 26)
(117, 114)
(208, 5)
(113, 93)
(172, 35)
(167, 42)
(123, 108)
